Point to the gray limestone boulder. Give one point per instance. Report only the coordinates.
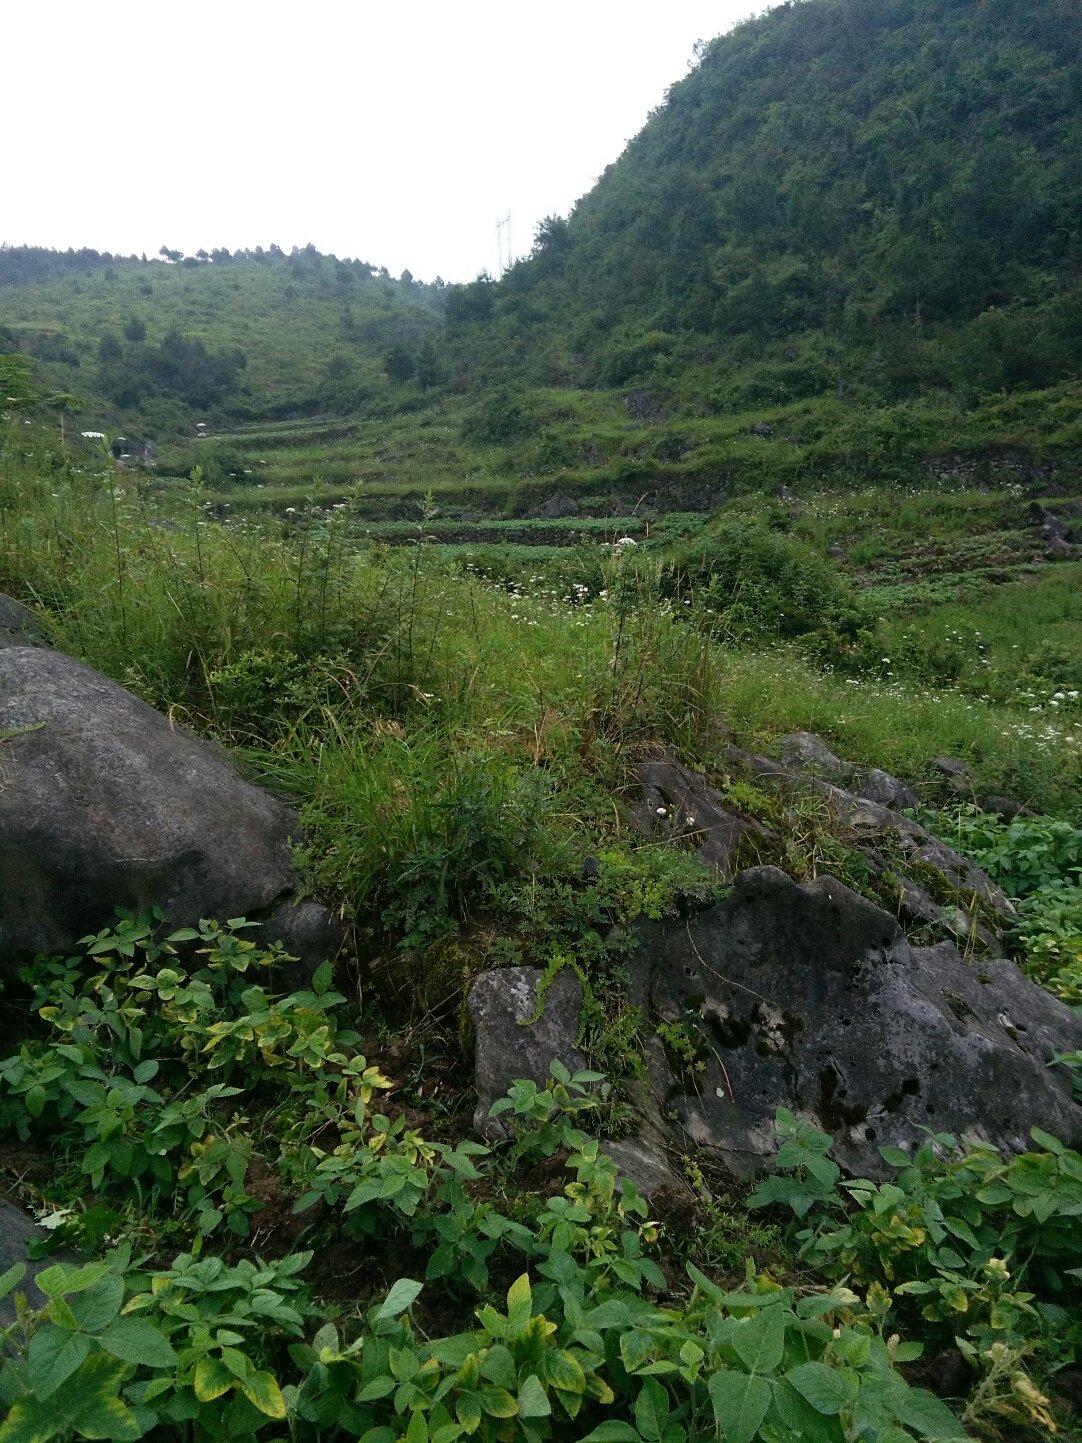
(516, 1038)
(558, 506)
(872, 826)
(809, 997)
(804, 752)
(680, 805)
(19, 626)
(104, 803)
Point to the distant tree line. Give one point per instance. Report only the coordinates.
(179, 367)
(22, 265)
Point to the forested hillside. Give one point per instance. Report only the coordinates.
(155, 345)
(879, 195)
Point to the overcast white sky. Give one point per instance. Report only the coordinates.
(393, 133)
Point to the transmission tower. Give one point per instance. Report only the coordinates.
(503, 237)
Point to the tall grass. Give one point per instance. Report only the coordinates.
(302, 641)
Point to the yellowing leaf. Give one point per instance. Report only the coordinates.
(212, 1379)
(263, 1392)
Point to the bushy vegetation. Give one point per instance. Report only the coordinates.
(162, 1082)
(748, 445)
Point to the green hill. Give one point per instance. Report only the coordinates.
(845, 249)
(878, 197)
(154, 346)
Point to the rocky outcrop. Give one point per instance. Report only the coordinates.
(520, 1029)
(19, 626)
(923, 879)
(804, 752)
(17, 1232)
(642, 406)
(869, 825)
(809, 997)
(518, 1033)
(680, 805)
(104, 803)
(558, 506)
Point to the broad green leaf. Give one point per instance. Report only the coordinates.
(613, 1432)
(98, 1306)
(907, 1352)
(759, 1341)
(923, 1413)
(468, 1411)
(90, 1400)
(58, 1311)
(236, 1361)
(826, 1389)
(59, 1279)
(651, 1410)
(263, 1392)
(446, 1433)
(53, 1355)
(402, 1296)
(532, 1399)
(564, 1371)
(378, 1388)
(519, 1304)
(896, 1156)
(109, 1420)
(802, 1421)
(137, 1340)
(635, 1348)
(12, 1278)
(741, 1402)
(498, 1367)
(961, 1229)
(1046, 1140)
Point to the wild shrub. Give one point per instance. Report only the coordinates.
(1037, 861)
(750, 583)
(420, 836)
(961, 1244)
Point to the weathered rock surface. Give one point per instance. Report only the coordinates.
(956, 772)
(509, 1044)
(646, 1165)
(19, 626)
(104, 803)
(804, 752)
(1054, 528)
(677, 802)
(559, 505)
(642, 406)
(871, 826)
(810, 997)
